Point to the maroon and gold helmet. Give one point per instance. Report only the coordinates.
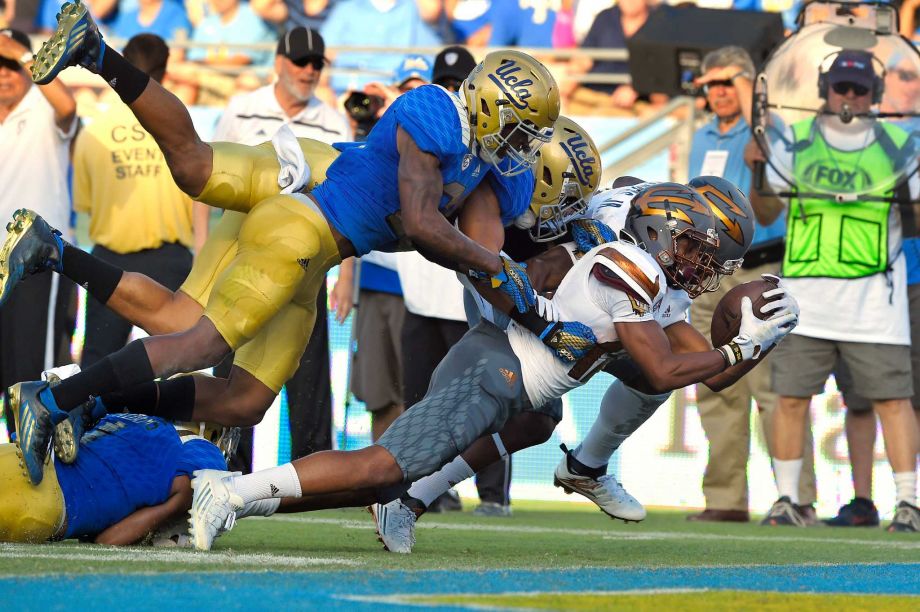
(734, 217)
(674, 224)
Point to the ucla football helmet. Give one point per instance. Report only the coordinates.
(226, 439)
(567, 172)
(734, 219)
(675, 225)
(513, 102)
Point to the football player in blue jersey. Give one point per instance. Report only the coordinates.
(425, 163)
(131, 479)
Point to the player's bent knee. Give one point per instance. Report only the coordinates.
(380, 469)
(246, 411)
(527, 429)
(188, 163)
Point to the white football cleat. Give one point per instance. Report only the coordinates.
(606, 492)
(395, 523)
(214, 507)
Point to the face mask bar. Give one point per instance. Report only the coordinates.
(552, 220)
(698, 274)
(500, 151)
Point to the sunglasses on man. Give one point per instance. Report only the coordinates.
(317, 62)
(711, 84)
(844, 87)
(10, 64)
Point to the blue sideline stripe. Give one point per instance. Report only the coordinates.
(330, 590)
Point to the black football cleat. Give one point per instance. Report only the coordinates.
(31, 246)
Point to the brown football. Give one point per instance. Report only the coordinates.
(726, 320)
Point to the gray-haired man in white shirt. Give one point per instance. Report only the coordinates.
(37, 125)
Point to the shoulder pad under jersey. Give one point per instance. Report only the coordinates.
(435, 119)
(629, 269)
(610, 206)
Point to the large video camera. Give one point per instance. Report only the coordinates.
(363, 109)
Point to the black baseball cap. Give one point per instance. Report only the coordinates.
(302, 43)
(452, 63)
(19, 36)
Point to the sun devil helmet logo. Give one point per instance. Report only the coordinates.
(512, 84)
(580, 154)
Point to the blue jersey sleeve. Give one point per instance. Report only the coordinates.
(434, 120)
(199, 455)
(513, 192)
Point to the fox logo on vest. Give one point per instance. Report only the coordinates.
(514, 87)
(839, 179)
(577, 150)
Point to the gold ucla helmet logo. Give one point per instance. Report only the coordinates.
(508, 79)
(580, 153)
(566, 177)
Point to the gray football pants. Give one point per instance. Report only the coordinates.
(473, 391)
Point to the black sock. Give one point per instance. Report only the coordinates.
(139, 399)
(577, 467)
(122, 369)
(177, 399)
(127, 80)
(98, 277)
(172, 399)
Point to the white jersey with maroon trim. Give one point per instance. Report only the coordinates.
(616, 282)
(609, 206)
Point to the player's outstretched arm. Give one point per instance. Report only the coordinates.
(135, 527)
(685, 338)
(665, 370)
(420, 191)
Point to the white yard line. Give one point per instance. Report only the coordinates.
(419, 600)
(171, 555)
(606, 534)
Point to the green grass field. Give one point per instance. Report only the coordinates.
(677, 564)
(539, 535)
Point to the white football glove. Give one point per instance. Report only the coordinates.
(786, 304)
(547, 309)
(755, 335)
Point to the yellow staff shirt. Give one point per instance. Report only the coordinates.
(121, 179)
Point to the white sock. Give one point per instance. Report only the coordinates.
(787, 478)
(905, 484)
(281, 481)
(623, 410)
(260, 507)
(431, 487)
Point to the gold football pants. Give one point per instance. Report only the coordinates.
(260, 270)
(28, 513)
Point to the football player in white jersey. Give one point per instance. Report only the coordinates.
(491, 376)
(630, 400)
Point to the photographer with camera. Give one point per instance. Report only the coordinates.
(365, 107)
(253, 118)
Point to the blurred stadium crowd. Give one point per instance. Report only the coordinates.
(317, 66)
